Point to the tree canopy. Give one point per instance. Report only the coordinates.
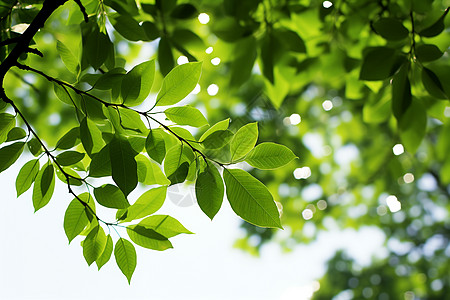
(107, 95)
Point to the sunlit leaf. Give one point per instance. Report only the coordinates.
(268, 156)
(125, 255)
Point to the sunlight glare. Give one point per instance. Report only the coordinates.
(203, 18)
(212, 89)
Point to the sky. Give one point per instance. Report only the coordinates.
(36, 261)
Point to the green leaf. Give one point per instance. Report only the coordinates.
(391, 29)
(432, 84)
(69, 158)
(137, 83)
(35, 147)
(101, 163)
(177, 155)
(106, 254)
(428, 52)
(379, 63)
(250, 199)
(9, 154)
(15, 134)
(436, 28)
(209, 190)
(123, 165)
(186, 115)
(155, 145)
(110, 79)
(184, 11)
(165, 56)
(44, 187)
(150, 173)
(110, 196)
(91, 136)
(125, 255)
(70, 139)
(148, 238)
(401, 92)
(291, 40)
(128, 27)
(222, 125)
(217, 139)
(94, 244)
(412, 126)
(180, 174)
(151, 30)
(147, 204)
(69, 60)
(26, 176)
(95, 48)
(179, 83)
(164, 225)
(244, 140)
(75, 219)
(7, 122)
(267, 156)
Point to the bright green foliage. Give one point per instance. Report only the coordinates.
(75, 219)
(44, 186)
(26, 176)
(106, 254)
(268, 156)
(250, 199)
(125, 255)
(137, 83)
(363, 75)
(179, 83)
(110, 196)
(209, 190)
(243, 141)
(186, 115)
(148, 203)
(94, 244)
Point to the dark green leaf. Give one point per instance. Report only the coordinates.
(180, 174)
(428, 52)
(412, 126)
(401, 92)
(379, 63)
(95, 49)
(69, 158)
(209, 190)
(151, 30)
(128, 27)
(291, 40)
(123, 165)
(165, 56)
(101, 163)
(391, 29)
(184, 11)
(432, 84)
(436, 28)
(9, 154)
(110, 196)
(26, 176)
(15, 134)
(91, 136)
(70, 139)
(125, 255)
(68, 58)
(35, 147)
(250, 199)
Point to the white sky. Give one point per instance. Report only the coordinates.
(36, 261)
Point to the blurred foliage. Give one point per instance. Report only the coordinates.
(358, 89)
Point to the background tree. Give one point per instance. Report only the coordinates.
(361, 88)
